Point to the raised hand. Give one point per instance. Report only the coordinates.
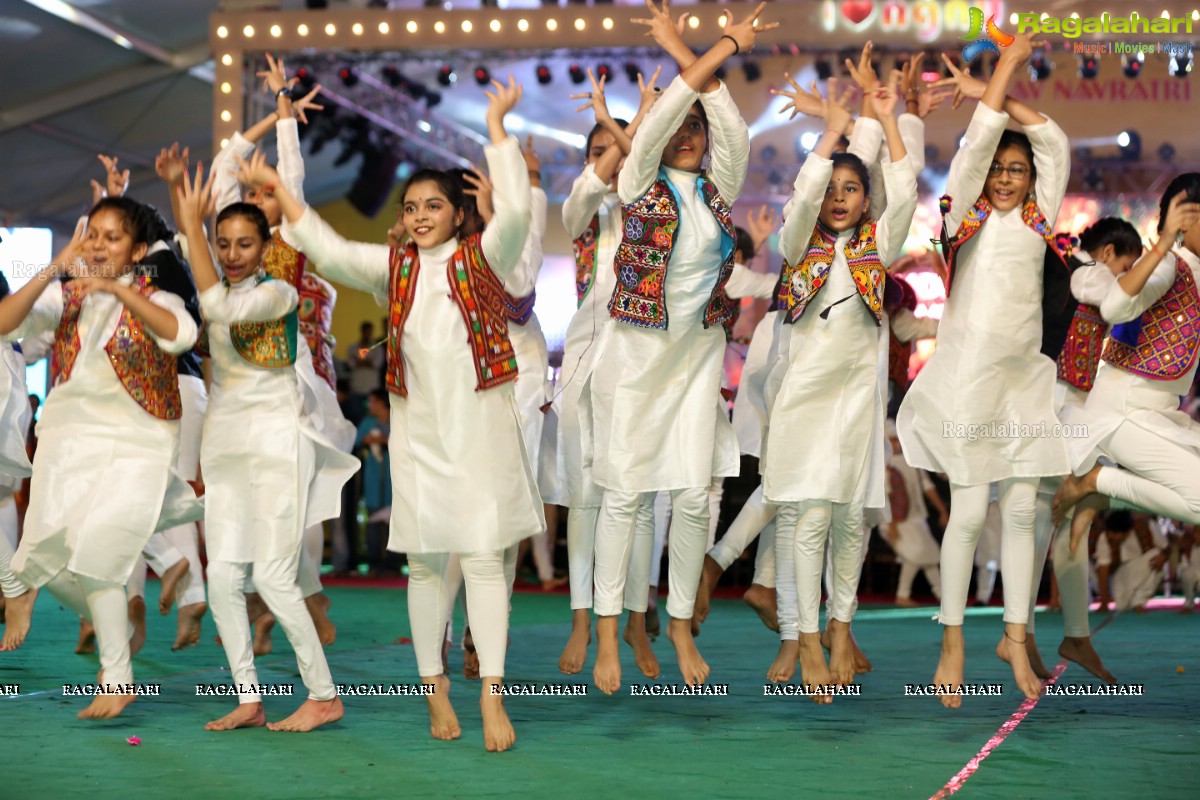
(964, 84)
(257, 172)
(481, 190)
(1021, 48)
(837, 108)
(171, 165)
(808, 103)
(760, 225)
(886, 96)
(863, 73)
(648, 91)
(504, 98)
(115, 182)
(910, 76)
(745, 32)
(532, 162)
(931, 100)
(274, 77)
(196, 200)
(664, 30)
(1182, 215)
(306, 104)
(595, 98)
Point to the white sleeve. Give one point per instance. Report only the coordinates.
(909, 327)
(185, 336)
(35, 348)
(801, 212)
(291, 161)
(587, 194)
(504, 238)
(912, 133)
(729, 138)
(224, 169)
(900, 184)
(523, 280)
(865, 142)
(970, 166)
(661, 122)
(1052, 159)
(745, 282)
(267, 301)
(43, 317)
(1118, 306)
(358, 265)
(1090, 284)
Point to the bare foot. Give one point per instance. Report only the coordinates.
(862, 664)
(841, 653)
(1085, 513)
(691, 664)
(635, 636)
(262, 634)
(814, 672)
(1073, 489)
(318, 608)
(170, 583)
(574, 655)
(137, 617)
(554, 583)
(498, 733)
(255, 607)
(1035, 658)
(310, 715)
(187, 628)
(763, 601)
(470, 657)
(949, 672)
(606, 674)
(784, 666)
(246, 715)
(708, 581)
(443, 722)
(1079, 650)
(907, 602)
(18, 616)
(1011, 650)
(107, 706)
(87, 638)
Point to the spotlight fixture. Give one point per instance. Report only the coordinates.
(349, 76)
(1131, 145)
(446, 76)
(432, 98)
(543, 74)
(604, 72)
(632, 71)
(823, 67)
(1166, 152)
(1131, 65)
(768, 154)
(1089, 67)
(1040, 66)
(752, 70)
(393, 78)
(577, 74)
(1093, 181)
(1180, 66)
(305, 80)
(482, 76)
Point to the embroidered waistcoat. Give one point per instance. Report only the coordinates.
(315, 324)
(1161, 344)
(1031, 215)
(269, 345)
(1080, 354)
(519, 309)
(585, 259)
(800, 283)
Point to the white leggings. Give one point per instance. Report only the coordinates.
(786, 601)
(430, 595)
(276, 582)
(755, 517)
(1071, 571)
(662, 521)
(104, 604)
(10, 584)
(616, 540)
(1156, 474)
(841, 525)
(581, 552)
(164, 550)
(311, 554)
(909, 570)
(968, 510)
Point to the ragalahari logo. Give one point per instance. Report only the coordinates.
(994, 37)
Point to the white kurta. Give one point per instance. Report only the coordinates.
(916, 544)
(268, 474)
(988, 369)
(461, 480)
(1120, 397)
(1090, 284)
(750, 404)
(104, 474)
(585, 340)
(826, 430)
(660, 422)
(15, 414)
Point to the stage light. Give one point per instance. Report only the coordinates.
(1131, 65)
(768, 153)
(806, 141)
(1180, 66)
(482, 76)
(752, 70)
(1039, 66)
(632, 71)
(824, 69)
(543, 74)
(577, 74)
(1089, 67)
(604, 72)
(348, 76)
(1131, 145)
(1166, 152)
(1093, 181)
(306, 80)
(446, 76)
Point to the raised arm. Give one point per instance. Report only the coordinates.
(900, 182)
(730, 143)
(26, 312)
(584, 201)
(504, 237)
(1154, 272)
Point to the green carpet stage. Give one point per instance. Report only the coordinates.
(880, 745)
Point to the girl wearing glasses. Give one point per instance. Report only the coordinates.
(982, 410)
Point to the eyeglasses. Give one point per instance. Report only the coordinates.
(1015, 171)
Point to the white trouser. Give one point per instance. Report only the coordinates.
(829, 594)
(968, 510)
(764, 561)
(543, 558)
(1072, 572)
(839, 524)
(786, 601)
(715, 492)
(1043, 534)
(164, 550)
(276, 582)
(104, 604)
(430, 595)
(581, 553)
(909, 570)
(310, 560)
(662, 523)
(10, 584)
(750, 521)
(1156, 474)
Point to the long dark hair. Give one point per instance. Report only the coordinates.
(1111, 230)
(1187, 182)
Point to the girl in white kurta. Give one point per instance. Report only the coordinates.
(267, 474)
(658, 419)
(113, 416)
(461, 482)
(987, 377)
(15, 416)
(1149, 362)
(1109, 248)
(834, 389)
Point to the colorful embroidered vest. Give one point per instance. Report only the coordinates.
(519, 309)
(651, 224)
(480, 298)
(585, 259)
(315, 324)
(1080, 354)
(282, 261)
(269, 345)
(146, 371)
(1031, 215)
(800, 283)
(1161, 344)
